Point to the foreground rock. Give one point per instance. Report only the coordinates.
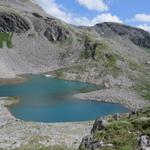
(145, 142)
(99, 124)
(88, 143)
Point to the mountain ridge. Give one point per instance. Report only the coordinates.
(110, 54)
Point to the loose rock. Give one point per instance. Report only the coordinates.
(144, 142)
(99, 124)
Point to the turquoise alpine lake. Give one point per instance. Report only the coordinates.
(51, 100)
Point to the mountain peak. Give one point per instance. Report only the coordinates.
(136, 35)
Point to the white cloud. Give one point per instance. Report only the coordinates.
(144, 27)
(98, 5)
(54, 9)
(142, 17)
(57, 11)
(105, 17)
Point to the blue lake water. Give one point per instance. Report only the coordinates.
(50, 100)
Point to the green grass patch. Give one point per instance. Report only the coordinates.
(100, 53)
(71, 69)
(124, 133)
(117, 133)
(140, 77)
(133, 65)
(35, 144)
(6, 38)
(142, 86)
(147, 50)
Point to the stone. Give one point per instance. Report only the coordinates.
(147, 63)
(116, 116)
(144, 142)
(106, 85)
(36, 15)
(99, 124)
(88, 143)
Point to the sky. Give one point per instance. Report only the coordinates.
(91, 12)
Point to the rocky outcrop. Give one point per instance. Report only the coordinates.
(90, 144)
(55, 32)
(11, 22)
(144, 142)
(99, 124)
(36, 15)
(136, 35)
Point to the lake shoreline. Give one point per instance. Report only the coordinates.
(68, 133)
(125, 97)
(20, 132)
(50, 134)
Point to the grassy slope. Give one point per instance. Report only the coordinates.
(124, 133)
(36, 146)
(98, 56)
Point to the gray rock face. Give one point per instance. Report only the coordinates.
(51, 44)
(144, 142)
(88, 143)
(137, 36)
(99, 124)
(13, 23)
(54, 32)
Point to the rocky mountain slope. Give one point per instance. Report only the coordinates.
(111, 54)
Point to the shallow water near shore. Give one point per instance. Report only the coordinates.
(51, 100)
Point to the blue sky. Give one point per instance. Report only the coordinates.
(90, 12)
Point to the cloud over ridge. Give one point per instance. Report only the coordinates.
(57, 11)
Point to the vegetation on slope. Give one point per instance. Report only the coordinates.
(143, 86)
(123, 133)
(98, 60)
(36, 143)
(141, 78)
(6, 38)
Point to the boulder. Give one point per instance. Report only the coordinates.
(88, 143)
(144, 142)
(99, 124)
(116, 116)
